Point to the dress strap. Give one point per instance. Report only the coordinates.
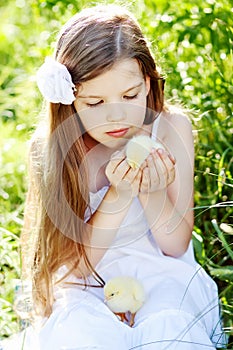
(155, 127)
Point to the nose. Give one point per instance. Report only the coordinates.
(116, 112)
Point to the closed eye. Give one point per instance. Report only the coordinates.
(131, 97)
(94, 104)
(126, 97)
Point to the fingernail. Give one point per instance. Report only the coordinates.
(143, 165)
(160, 151)
(150, 158)
(173, 159)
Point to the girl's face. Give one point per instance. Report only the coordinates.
(112, 106)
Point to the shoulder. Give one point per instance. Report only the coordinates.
(175, 132)
(176, 118)
(175, 124)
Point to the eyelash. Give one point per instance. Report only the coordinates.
(131, 97)
(92, 105)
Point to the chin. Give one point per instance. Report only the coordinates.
(116, 143)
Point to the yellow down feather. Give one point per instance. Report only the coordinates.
(138, 149)
(124, 294)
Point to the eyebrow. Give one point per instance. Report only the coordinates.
(125, 92)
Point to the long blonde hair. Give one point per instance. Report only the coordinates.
(89, 44)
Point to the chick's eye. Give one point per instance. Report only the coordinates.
(112, 295)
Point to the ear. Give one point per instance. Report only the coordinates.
(147, 84)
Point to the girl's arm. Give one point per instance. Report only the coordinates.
(168, 207)
(105, 222)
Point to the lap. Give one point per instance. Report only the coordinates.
(83, 325)
(90, 324)
(170, 318)
(173, 330)
(80, 326)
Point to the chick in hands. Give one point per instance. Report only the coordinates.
(124, 295)
(138, 149)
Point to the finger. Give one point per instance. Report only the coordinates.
(111, 167)
(130, 181)
(153, 173)
(145, 180)
(169, 162)
(131, 173)
(136, 183)
(116, 159)
(123, 172)
(167, 158)
(161, 169)
(170, 172)
(172, 158)
(143, 165)
(118, 154)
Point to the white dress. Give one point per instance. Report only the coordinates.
(181, 310)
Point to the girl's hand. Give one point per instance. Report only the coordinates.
(158, 171)
(121, 176)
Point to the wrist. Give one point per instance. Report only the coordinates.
(155, 203)
(115, 200)
(159, 195)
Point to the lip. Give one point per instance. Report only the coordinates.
(118, 132)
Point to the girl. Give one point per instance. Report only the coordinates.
(91, 217)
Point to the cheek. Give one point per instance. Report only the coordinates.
(90, 118)
(137, 112)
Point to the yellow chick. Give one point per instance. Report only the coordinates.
(138, 148)
(124, 294)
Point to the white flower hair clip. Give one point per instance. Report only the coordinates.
(55, 82)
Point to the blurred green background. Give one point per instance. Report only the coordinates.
(193, 43)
